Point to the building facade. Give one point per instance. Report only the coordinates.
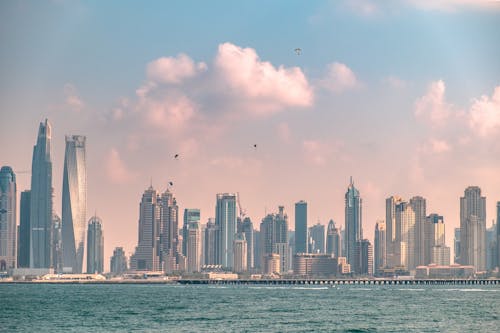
(95, 246)
(118, 262)
(74, 204)
(473, 228)
(301, 227)
(225, 220)
(8, 222)
(379, 257)
(317, 234)
(419, 204)
(274, 238)
(247, 230)
(353, 221)
(23, 248)
(41, 199)
(209, 244)
(240, 255)
(333, 242)
(193, 245)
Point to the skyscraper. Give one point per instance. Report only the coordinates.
(147, 252)
(456, 246)
(193, 245)
(419, 208)
(301, 227)
(436, 251)
(23, 254)
(41, 199)
(491, 246)
(274, 238)
(240, 254)
(57, 250)
(333, 243)
(404, 246)
(118, 262)
(8, 199)
(363, 259)
(247, 230)
(209, 244)
(74, 204)
(498, 234)
(473, 228)
(190, 215)
(225, 220)
(95, 246)
(353, 221)
(317, 233)
(380, 249)
(390, 225)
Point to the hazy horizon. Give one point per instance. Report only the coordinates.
(402, 96)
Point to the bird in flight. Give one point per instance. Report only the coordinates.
(298, 51)
(176, 155)
(255, 145)
(171, 183)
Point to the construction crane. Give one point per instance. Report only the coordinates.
(242, 211)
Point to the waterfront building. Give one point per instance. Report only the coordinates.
(473, 228)
(308, 265)
(363, 260)
(225, 220)
(118, 262)
(168, 229)
(379, 256)
(57, 247)
(240, 255)
(434, 271)
(301, 227)
(190, 215)
(456, 245)
(333, 243)
(434, 236)
(209, 244)
(74, 204)
(95, 246)
(440, 255)
(317, 234)
(193, 245)
(418, 204)
(8, 223)
(274, 237)
(353, 221)
(147, 253)
(41, 200)
(257, 258)
(272, 263)
(390, 223)
(343, 267)
(403, 248)
(247, 230)
(23, 249)
(491, 247)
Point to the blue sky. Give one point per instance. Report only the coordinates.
(398, 94)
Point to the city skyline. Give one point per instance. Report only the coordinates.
(405, 117)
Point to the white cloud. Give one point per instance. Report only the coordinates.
(116, 169)
(436, 146)
(72, 100)
(261, 86)
(339, 78)
(173, 69)
(432, 107)
(485, 114)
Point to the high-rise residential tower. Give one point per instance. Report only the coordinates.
(225, 220)
(57, 250)
(363, 259)
(190, 215)
(193, 246)
(247, 230)
(8, 200)
(118, 262)
(209, 244)
(419, 208)
(274, 238)
(436, 251)
(353, 221)
(169, 231)
(473, 228)
(301, 227)
(41, 199)
(74, 204)
(240, 254)
(333, 244)
(95, 246)
(380, 249)
(317, 233)
(147, 252)
(390, 226)
(456, 245)
(23, 252)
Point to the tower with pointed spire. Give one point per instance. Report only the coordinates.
(353, 221)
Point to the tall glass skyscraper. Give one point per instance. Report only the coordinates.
(95, 246)
(380, 249)
(225, 221)
(190, 215)
(301, 227)
(23, 248)
(74, 204)
(333, 245)
(473, 228)
(8, 199)
(41, 199)
(353, 221)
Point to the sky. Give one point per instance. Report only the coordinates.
(402, 95)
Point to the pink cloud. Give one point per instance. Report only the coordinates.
(267, 89)
(485, 114)
(116, 169)
(72, 99)
(436, 146)
(339, 78)
(173, 69)
(432, 107)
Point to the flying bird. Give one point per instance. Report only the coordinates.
(176, 155)
(171, 183)
(255, 145)
(298, 51)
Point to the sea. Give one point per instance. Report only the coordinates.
(247, 308)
